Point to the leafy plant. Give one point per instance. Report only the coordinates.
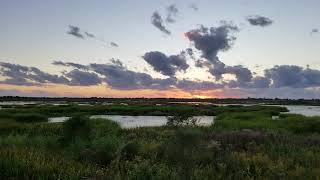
(179, 120)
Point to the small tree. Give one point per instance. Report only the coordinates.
(179, 120)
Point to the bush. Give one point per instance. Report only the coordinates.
(179, 149)
(181, 120)
(103, 150)
(76, 127)
(130, 150)
(30, 118)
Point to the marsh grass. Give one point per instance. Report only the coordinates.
(30, 118)
(287, 123)
(33, 164)
(242, 144)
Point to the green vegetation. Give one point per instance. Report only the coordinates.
(178, 120)
(135, 109)
(243, 143)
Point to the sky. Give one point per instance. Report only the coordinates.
(160, 48)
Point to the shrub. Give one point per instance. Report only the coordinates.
(181, 120)
(103, 150)
(76, 127)
(179, 149)
(30, 118)
(130, 150)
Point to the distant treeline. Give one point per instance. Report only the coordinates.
(248, 100)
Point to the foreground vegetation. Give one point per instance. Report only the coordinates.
(243, 143)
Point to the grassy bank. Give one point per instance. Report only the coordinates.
(243, 143)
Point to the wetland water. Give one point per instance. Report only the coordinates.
(139, 121)
(145, 121)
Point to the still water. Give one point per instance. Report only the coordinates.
(304, 110)
(139, 121)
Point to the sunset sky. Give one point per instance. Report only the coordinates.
(160, 48)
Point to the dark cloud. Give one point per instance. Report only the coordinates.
(89, 35)
(39, 76)
(116, 62)
(113, 44)
(190, 85)
(212, 40)
(294, 79)
(75, 31)
(257, 20)
(157, 21)
(70, 64)
(119, 77)
(82, 78)
(166, 65)
(190, 53)
(261, 82)
(22, 75)
(172, 13)
(243, 74)
(314, 31)
(293, 76)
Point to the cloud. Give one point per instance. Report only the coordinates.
(190, 85)
(279, 81)
(166, 65)
(23, 75)
(261, 82)
(257, 20)
(293, 76)
(81, 78)
(314, 31)
(70, 64)
(113, 44)
(89, 35)
(242, 74)
(172, 13)
(194, 7)
(75, 31)
(212, 40)
(119, 77)
(116, 62)
(157, 21)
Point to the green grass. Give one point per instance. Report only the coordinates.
(243, 143)
(261, 121)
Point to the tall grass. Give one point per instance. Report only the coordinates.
(30, 118)
(33, 164)
(242, 144)
(290, 123)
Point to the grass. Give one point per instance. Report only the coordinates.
(261, 121)
(243, 143)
